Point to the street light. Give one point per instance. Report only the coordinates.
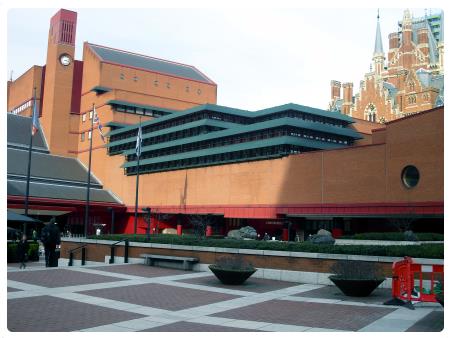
(148, 211)
(112, 219)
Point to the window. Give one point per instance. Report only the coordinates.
(199, 91)
(82, 136)
(83, 117)
(187, 89)
(410, 176)
(139, 111)
(168, 85)
(90, 115)
(135, 78)
(155, 83)
(122, 76)
(90, 135)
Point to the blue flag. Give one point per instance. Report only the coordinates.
(99, 125)
(35, 122)
(139, 142)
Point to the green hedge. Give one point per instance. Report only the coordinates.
(395, 236)
(418, 251)
(33, 252)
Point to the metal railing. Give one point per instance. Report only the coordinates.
(83, 254)
(113, 249)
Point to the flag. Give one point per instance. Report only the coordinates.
(35, 120)
(139, 142)
(99, 125)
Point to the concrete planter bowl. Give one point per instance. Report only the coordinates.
(231, 276)
(356, 287)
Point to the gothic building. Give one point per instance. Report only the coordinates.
(411, 80)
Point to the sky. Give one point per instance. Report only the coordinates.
(258, 57)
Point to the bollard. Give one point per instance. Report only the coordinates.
(125, 256)
(111, 259)
(70, 258)
(83, 256)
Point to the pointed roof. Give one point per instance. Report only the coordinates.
(378, 41)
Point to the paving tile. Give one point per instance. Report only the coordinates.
(433, 322)
(46, 313)
(13, 289)
(161, 296)
(58, 278)
(252, 284)
(378, 296)
(327, 316)
(140, 270)
(195, 327)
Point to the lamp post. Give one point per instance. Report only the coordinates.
(111, 230)
(148, 211)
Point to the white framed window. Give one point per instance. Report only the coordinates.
(89, 135)
(83, 117)
(91, 113)
(82, 137)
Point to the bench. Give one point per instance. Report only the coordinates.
(185, 263)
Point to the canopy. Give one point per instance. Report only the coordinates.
(13, 217)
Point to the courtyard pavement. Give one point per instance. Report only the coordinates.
(135, 297)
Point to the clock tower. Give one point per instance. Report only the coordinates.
(59, 70)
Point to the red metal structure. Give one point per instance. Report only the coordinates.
(406, 272)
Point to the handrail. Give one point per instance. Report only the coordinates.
(113, 249)
(81, 246)
(83, 254)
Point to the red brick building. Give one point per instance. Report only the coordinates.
(411, 80)
(287, 165)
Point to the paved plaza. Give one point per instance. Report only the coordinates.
(135, 297)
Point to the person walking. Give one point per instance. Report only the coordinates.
(50, 237)
(22, 251)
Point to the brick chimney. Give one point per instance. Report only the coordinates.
(335, 90)
(348, 97)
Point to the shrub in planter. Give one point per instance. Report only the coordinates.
(356, 278)
(232, 270)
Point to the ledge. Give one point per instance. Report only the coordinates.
(313, 255)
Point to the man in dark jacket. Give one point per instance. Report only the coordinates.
(50, 237)
(22, 251)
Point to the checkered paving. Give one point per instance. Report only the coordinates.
(195, 327)
(160, 296)
(434, 322)
(133, 297)
(378, 296)
(13, 289)
(53, 278)
(327, 316)
(46, 313)
(140, 270)
(252, 284)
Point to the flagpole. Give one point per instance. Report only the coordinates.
(30, 147)
(86, 213)
(137, 180)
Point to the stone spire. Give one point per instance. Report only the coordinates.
(378, 41)
(378, 53)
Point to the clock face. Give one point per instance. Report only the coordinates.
(65, 59)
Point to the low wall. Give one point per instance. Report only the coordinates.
(304, 267)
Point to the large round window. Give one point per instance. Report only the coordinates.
(410, 176)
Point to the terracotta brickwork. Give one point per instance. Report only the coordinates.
(393, 89)
(21, 91)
